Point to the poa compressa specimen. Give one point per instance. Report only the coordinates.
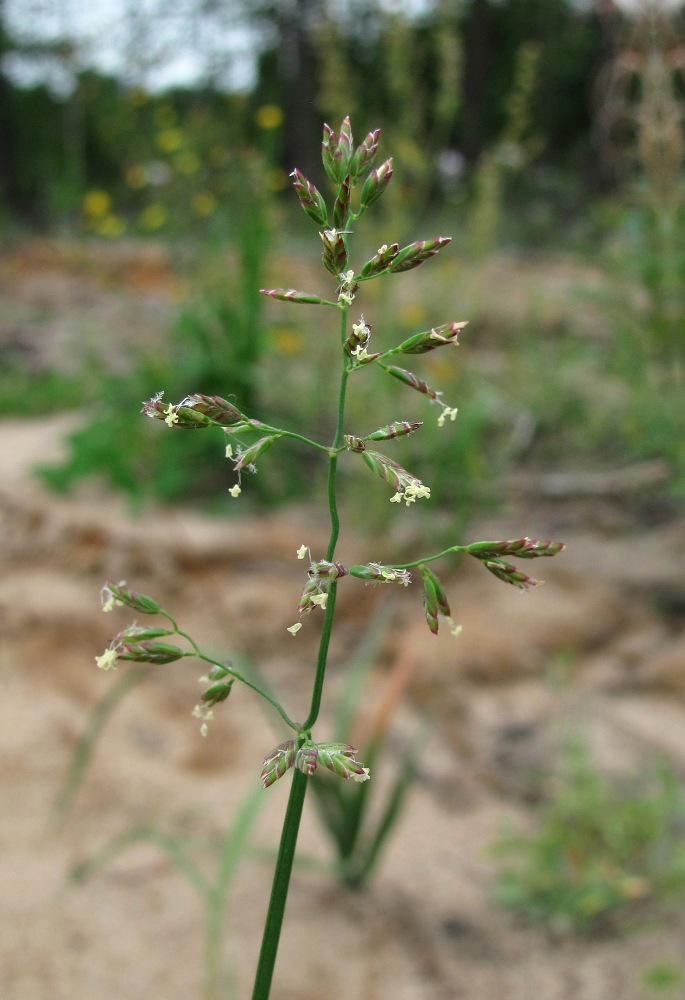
(357, 185)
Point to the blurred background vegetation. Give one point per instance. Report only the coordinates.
(545, 136)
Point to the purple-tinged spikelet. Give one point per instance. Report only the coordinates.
(334, 252)
(412, 380)
(305, 758)
(117, 594)
(430, 340)
(435, 601)
(293, 295)
(342, 203)
(396, 429)
(365, 154)
(510, 574)
(415, 254)
(149, 652)
(375, 184)
(278, 762)
(339, 758)
(380, 261)
(311, 198)
(522, 548)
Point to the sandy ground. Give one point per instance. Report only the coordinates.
(599, 651)
(426, 926)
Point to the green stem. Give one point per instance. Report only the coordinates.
(197, 652)
(279, 889)
(290, 434)
(453, 549)
(291, 822)
(255, 687)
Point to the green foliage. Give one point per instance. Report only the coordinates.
(601, 850)
(55, 390)
(663, 978)
(216, 341)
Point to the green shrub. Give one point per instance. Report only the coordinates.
(601, 851)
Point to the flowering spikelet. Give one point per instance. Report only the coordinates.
(377, 573)
(331, 155)
(345, 142)
(408, 487)
(277, 762)
(412, 380)
(375, 184)
(522, 548)
(305, 758)
(380, 261)
(396, 429)
(149, 652)
(354, 444)
(246, 457)
(507, 572)
(364, 154)
(357, 342)
(430, 340)
(311, 198)
(118, 594)
(320, 576)
(490, 554)
(220, 688)
(435, 602)
(342, 203)
(194, 412)
(219, 410)
(339, 758)
(334, 251)
(293, 295)
(415, 254)
(171, 415)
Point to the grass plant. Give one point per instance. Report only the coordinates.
(601, 852)
(212, 889)
(357, 185)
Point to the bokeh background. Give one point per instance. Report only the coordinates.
(145, 152)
